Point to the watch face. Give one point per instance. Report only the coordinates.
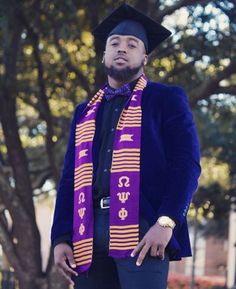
(164, 220)
(161, 222)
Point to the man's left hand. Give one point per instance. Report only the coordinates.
(156, 239)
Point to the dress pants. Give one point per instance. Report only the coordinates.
(120, 273)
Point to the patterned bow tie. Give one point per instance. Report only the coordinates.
(111, 92)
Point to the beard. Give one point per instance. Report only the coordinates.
(123, 74)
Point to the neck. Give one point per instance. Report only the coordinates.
(116, 84)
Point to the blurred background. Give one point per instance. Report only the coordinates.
(49, 64)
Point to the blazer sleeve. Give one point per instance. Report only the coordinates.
(62, 226)
(182, 153)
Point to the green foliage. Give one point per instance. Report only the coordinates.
(57, 61)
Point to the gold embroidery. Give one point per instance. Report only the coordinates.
(83, 166)
(89, 240)
(123, 196)
(83, 249)
(125, 227)
(82, 212)
(125, 161)
(123, 236)
(85, 123)
(127, 125)
(125, 170)
(84, 134)
(84, 262)
(124, 181)
(85, 184)
(126, 137)
(123, 248)
(84, 140)
(92, 110)
(83, 175)
(125, 231)
(81, 198)
(123, 245)
(83, 258)
(126, 165)
(83, 253)
(123, 214)
(83, 153)
(133, 108)
(89, 128)
(81, 229)
(130, 118)
(127, 150)
(126, 240)
(84, 179)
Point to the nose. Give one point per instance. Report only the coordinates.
(122, 48)
(121, 51)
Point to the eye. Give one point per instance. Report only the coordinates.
(131, 45)
(114, 44)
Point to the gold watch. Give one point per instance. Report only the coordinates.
(165, 221)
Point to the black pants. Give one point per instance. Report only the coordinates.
(120, 273)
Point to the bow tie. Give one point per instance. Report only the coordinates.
(111, 92)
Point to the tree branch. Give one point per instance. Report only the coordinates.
(41, 179)
(68, 64)
(178, 70)
(8, 246)
(43, 99)
(182, 3)
(16, 154)
(211, 85)
(18, 199)
(227, 90)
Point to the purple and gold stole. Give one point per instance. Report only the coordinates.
(124, 180)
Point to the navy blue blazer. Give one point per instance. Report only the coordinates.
(170, 165)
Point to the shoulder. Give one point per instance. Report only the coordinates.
(165, 90)
(170, 98)
(79, 109)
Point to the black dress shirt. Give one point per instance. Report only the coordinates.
(110, 116)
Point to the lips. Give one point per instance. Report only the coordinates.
(121, 58)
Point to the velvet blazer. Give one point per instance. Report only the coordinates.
(169, 165)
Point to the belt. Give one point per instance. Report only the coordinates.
(103, 203)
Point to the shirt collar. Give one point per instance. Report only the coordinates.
(131, 85)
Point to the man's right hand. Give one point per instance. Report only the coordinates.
(62, 254)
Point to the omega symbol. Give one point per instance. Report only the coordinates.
(123, 181)
(81, 198)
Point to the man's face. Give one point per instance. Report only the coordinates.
(124, 56)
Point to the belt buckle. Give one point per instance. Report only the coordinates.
(102, 206)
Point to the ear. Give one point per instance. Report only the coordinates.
(145, 59)
(103, 58)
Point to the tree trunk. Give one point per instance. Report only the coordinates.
(20, 240)
(47, 280)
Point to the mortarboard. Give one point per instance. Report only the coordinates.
(126, 20)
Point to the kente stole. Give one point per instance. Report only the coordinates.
(124, 180)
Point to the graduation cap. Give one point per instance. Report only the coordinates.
(126, 20)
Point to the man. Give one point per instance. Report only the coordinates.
(130, 169)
